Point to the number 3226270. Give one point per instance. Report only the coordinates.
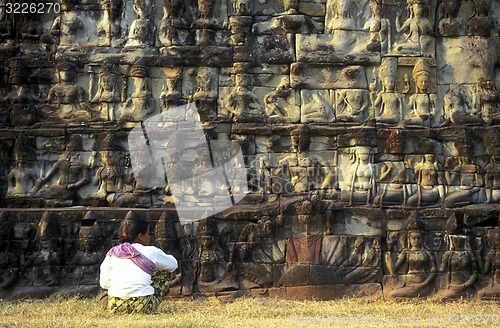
(32, 8)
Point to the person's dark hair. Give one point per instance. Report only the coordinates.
(131, 229)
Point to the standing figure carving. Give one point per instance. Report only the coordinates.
(488, 97)
(482, 24)
(22, 177)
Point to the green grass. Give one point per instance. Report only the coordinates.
(267, 313)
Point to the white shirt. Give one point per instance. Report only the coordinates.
(122, 278)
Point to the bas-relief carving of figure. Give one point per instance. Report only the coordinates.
(42, 267)
(22, 177)
(188, 245)
(141, 101)
(110, 26)
(110, 177)
(363, 262)
(142, 32)
(418, 29)
(9, 262)
(213, 271)
(66, 100)
(277, 104)
(429, 183)
(71, 174)
(488, 98)
(206, 91)
(460, 267)
(243, 104)
(457, 109)
(492, 264)
(171, 95)
(420, 267)
(206, 12)
(340, 16)
(258, 252)
(89, 257)
(352, 105)
(379, 27)
(392, 184)
(482, 24)
(388, 104)
(469, 179)
(359, 180)
(20, 100)
(316, 108)
(422, 104)
(492, 180)
(107, 95)
(451, 24)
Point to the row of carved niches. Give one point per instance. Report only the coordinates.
(401, 27)
(59, 252)
(450, 167)
(400, 92)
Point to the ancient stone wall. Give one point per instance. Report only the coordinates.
(369, 131)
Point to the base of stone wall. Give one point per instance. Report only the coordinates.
(327, 292)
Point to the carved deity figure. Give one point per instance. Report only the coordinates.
(71, 174)
(206, 11)
(43, 265)
(276, 102)
(457, 110)
(482, 24)
(109, 178)
(492, 180)
(66, 100)
(492, 264)
(420, 267)
(258, 252)
(22, 177)
(142, 32)
(89, 257)
(392, 184)
(422, 104)
(243, 103)
(451, 24)
(9, 262)
(417, 27)
(429, 183)
(109, 26)
(359, 180)
(340, 15)
(21, 100)
(466, 174)
(315, 108)
(460, 266)
(107, 95)
(379, 27)
(488, 97)
(352, 105)
(171, 95)
(388, 104)
(141, 101)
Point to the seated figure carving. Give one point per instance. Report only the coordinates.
(429, 183)
(360, 178)
(492, 264)
(422, 104)
(420, 266)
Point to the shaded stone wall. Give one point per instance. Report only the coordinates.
(369, 131)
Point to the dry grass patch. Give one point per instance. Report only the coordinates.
(266, 313)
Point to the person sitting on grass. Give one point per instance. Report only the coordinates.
(128, 269)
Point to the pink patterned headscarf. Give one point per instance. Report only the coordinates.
(127, 251)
